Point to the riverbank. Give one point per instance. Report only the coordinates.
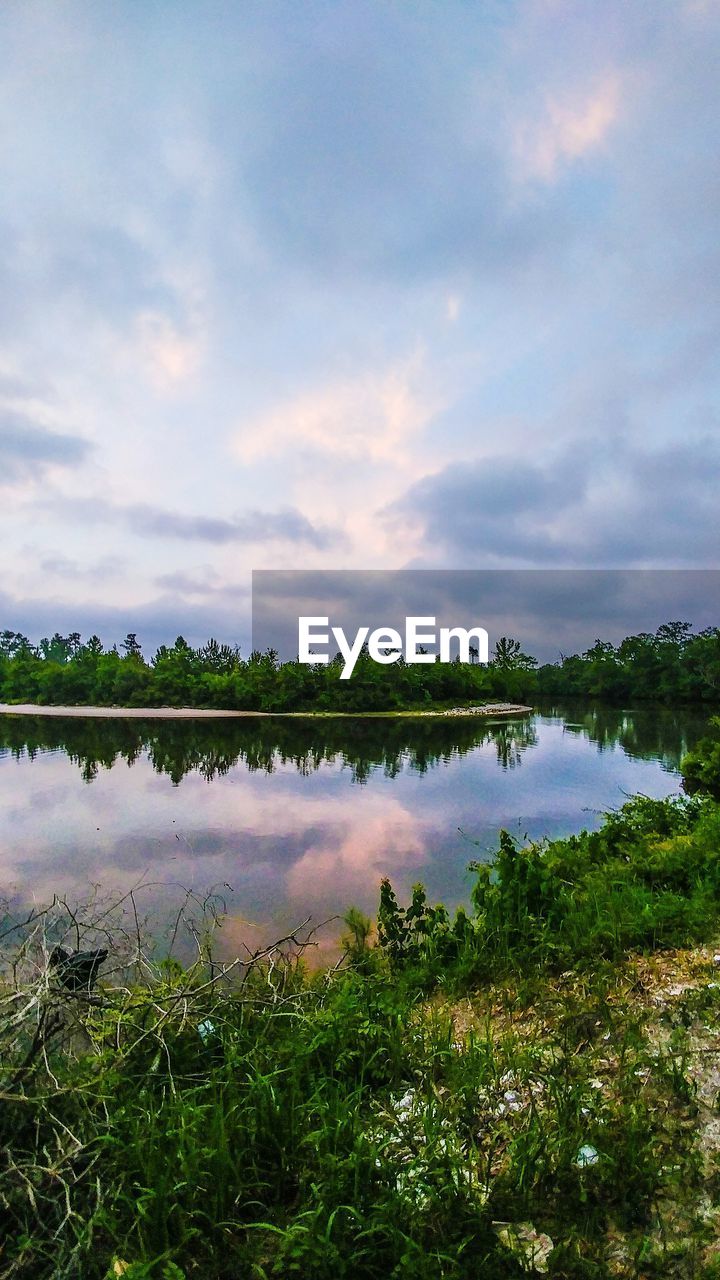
(560, 1127)
(196, 713)
(527, 1088)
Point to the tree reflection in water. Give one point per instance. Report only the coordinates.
(211, 748)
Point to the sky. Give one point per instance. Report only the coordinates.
(350, 285)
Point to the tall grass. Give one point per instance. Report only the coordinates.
(649, 877)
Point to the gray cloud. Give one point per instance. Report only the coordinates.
(26, 448)
(199, 583)
(596, 503)
(288, 525)
(147, 520)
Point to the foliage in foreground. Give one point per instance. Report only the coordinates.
(269, 1122)
(649, 877)
(701, 766)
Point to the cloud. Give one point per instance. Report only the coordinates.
(203, 583)
(150, 521)
(362, 853)
(287, 525)
(364, 251)
(597, 502)
(499, 506)
(570, 127)
(170, 356)
(372, 417)
(61, 566)
(26, 449)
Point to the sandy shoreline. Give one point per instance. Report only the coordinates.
(196, 713)
(126, 713)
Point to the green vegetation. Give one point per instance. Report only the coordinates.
(671, 665)
(527, 1088)
(701, 767)
(649, 877)
(65, 671)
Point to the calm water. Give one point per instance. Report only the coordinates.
(295, 817)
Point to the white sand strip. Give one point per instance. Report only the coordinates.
(129, 713)
(198, 713)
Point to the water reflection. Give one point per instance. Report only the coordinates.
(213, 748)
(645, 733)
(271, 806)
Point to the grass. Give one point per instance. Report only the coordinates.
(526, 1089)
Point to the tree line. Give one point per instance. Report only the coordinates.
(672, 664)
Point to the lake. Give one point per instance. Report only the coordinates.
(287, 818)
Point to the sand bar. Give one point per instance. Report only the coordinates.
(199, 713)
(126, 713)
